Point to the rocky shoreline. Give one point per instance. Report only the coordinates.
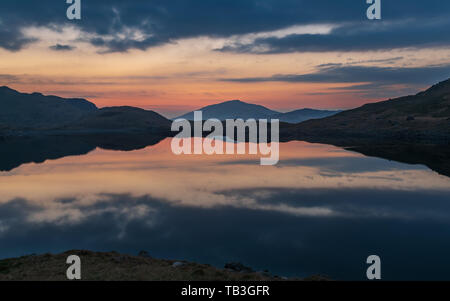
(113, 266)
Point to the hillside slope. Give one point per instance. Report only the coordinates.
(37, 111)
(301, 115)
(122, 118)
(421, 117)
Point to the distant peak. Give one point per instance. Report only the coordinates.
(234, 101)
(123, 108)
(5, 88)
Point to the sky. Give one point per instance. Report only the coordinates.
(179, 55)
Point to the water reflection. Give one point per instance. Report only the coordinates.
(320, 210)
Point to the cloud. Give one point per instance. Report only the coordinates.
(385, 61)
(13, 40)
(118, 26)
(361, 36)
(359, 74)
(8, 78)
(123, 45)
(59, 47)
(372, 81)
(30, 79)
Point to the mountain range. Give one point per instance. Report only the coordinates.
(235, 109)
(420, 118)
(22, 111)
(36, 112)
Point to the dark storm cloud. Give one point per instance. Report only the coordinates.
(163, 22)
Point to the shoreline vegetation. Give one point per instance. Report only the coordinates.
(113, 266)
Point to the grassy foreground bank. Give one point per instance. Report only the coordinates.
(112, 266)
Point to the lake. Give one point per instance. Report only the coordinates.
(321, 210)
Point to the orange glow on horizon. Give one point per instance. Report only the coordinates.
(176, 78)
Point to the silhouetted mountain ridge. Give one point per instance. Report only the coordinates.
(125, 117)
(36, 111)
(234, 109)
(420, 117)
(301, 115)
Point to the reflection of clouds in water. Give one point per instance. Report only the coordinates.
(351, 164)
(314, 203)
(352, 177)
(122, 209)
(320, 207)
(3, 227)
(356, 203)
(286, 244)
(127, 208)
(74, 212)
(86, 182)
(199, 187)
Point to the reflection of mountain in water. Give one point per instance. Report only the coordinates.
(16, 151)
(435, 157)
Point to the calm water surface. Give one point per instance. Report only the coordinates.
(321, 210)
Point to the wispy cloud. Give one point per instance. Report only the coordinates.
(371, 80)
(337, 73)
(360, 36)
